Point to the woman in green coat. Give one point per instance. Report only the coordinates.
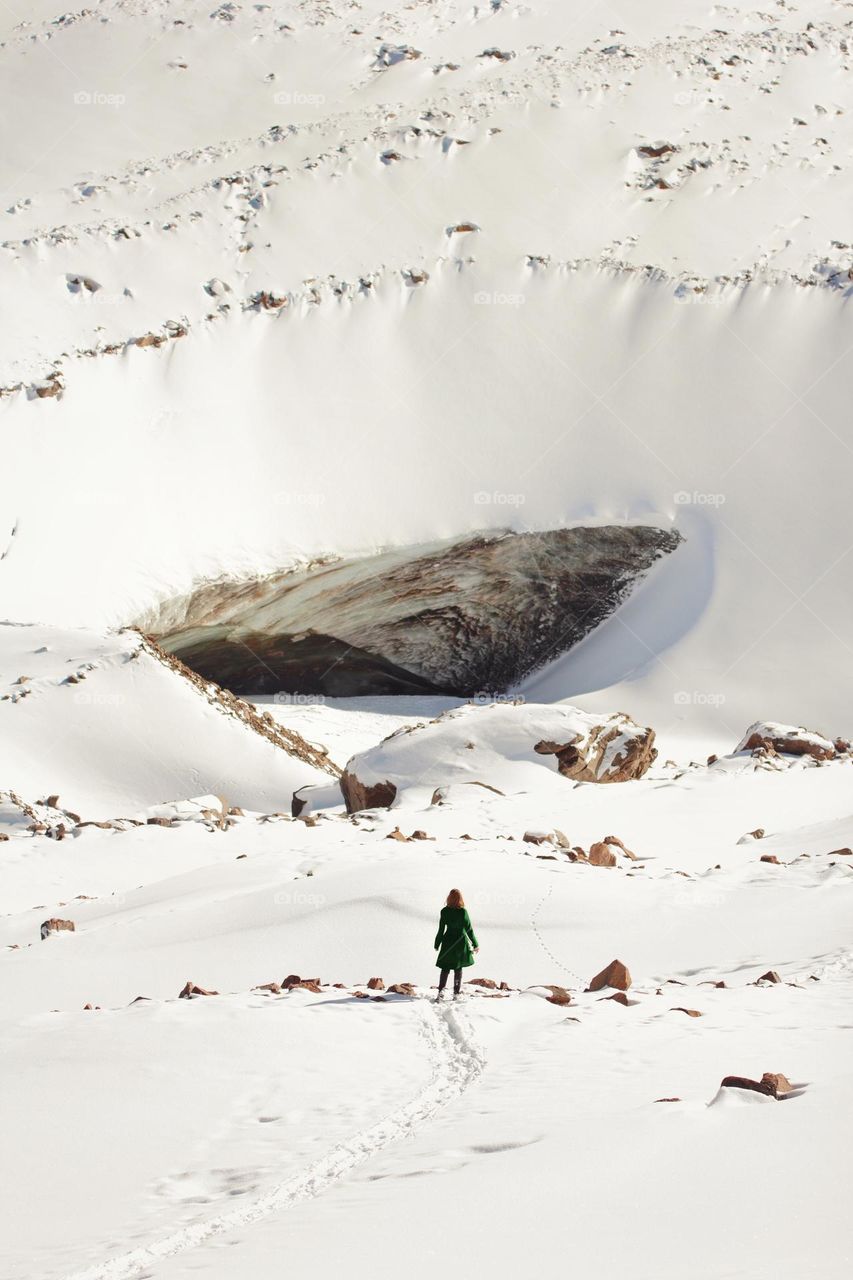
(455, 942)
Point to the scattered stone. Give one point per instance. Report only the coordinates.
(397, 834)
(361, 995)
(656, 150)
(160, 822)
(358, 795)
(772, 1083)
(667, 1099)
(482, 982)
(382, 998)
(55, 925)
(376, 984)
(601, 855)
(274, 987)
(401, 989)
(841, 853)
(691, 1013)
(420, 835)
(770, 976)
(559, 995)
(757, 834)
(614, 975)
(619, 997)
(191, 990)
(770, 857)
(536, 837)
(615, 840)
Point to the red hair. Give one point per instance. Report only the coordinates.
(455, 899)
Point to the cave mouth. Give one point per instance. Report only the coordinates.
(469, 616)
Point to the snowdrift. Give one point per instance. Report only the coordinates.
(111, 726)
(499, 746)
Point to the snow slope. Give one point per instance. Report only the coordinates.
(102, 723)
(401, 276)
(554, 366)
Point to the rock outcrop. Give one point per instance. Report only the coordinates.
(55, 925)
(618, 750)
(787, 740)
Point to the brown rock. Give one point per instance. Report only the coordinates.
(54, 925)
(770, 857)
(841, 853)
(274, 987)
(691, 1013)
(559, 995)
(536, 837)
(151, 340)
(667, 1099)
(483, 982)
(614, 975)
(358, 795)
(619, 997)
(397, 834)
(376, 984)
(160, 822)
(772, 1083)
(420, 835)
(615, 840)
(601, 855)
(361, 995)
(292, 980)
(635, 754)
(787, 740)
(654, 151)
(770, 976)
(777, 1082)
(401, 989)
(382, 998)
(191, 990)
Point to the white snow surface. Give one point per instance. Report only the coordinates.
(650, 321)
(623, 336)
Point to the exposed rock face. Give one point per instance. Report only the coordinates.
(468, 616)
(55, 925)
(615, 975)
(376, 984)
(786, 739)
(616, 751)
(359, 795)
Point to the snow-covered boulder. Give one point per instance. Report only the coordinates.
(786, 739)
(501, 746)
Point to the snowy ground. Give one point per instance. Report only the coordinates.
(646, 320)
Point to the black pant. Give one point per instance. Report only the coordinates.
(457, 980)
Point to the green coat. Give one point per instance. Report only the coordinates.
(455, 939)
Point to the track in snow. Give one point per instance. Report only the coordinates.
(457, 1062)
